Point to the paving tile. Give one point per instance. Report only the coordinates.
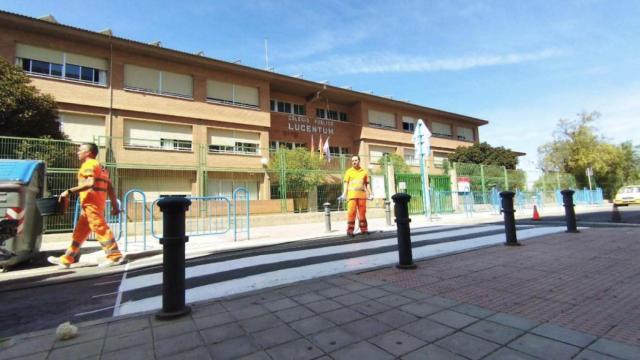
(138, 352)
(233, 348)
(342, 316)
(395, 318)
(394, 300)
(27, 346)
(177, 344)
(308, 298)
(84, 335)
(260, 323)
(350, 299)
(85, 350)
(441, 301)
(592, 355)
(509, 354)
(205, 322)
(301, 349)
(221, 333)
(391, 288)
(427, 330)
(373, 293)
(294, 290)
(275, 336)
(543, 348)
(333, 292)
(249, 312)
(332, 339)
(323, 306)
(355, 286)
(317, 285)
(280, 304)
(126, 326)
(140, 337)
(266, 297)
(563, 334)
(513, 321)
(452, 319)
(415, 294)
(366, 328)
(473, 310)
(193, 354)
(294, 314)
(36, 356)
(616, 349)
(370, 307)
(311, 325)
(421, 308)
(491, 331)
(362, 350)
(467, 345)
(207, 310)
(173, 329)
(432, 352)
(397, 342)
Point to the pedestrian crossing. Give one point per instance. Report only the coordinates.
(142, 291)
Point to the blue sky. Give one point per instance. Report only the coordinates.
(522, 65)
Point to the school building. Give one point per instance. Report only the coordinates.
(204, 125)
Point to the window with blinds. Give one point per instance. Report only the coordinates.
(233, 141)
(156, 135)
(409, 123)
(36, 60)
(410, 157)
(439, 159)
(156, 81)
(376, 153)
(382, 119)
(233, 94)
(465, 134)
(441, 129)
(83, 128)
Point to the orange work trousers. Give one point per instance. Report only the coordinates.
(358, 206)
(91, 220)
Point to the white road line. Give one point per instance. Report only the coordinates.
(116, 306)
(141, 281)
(107, 294)
(93, 311)
(285, 276)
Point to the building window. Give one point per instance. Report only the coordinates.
(409, 123)
(338, 151)
(377, 152)
(410, 157)
(287, 107)
(321, 113)
(332, 115)
(382, 119)
(175, 144)
(233, 142)
(233, 94)
(275, 145)
(343, 116)
(465, 134)
(299, 109)
(58, 64)
(441, 129)
(439, 159)
(144, 79)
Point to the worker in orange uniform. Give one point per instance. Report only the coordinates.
(93, 187)
(356, 192)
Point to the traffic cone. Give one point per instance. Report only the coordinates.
(615, 214)
(536, 216)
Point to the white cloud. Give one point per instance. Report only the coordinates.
(396, 63)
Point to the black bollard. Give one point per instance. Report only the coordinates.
(509, 218)
(173, 242)
(401, 209)
(569, 212)
(327, 217)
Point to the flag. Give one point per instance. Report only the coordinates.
(326, 149)
(320, 145)
(311, 146)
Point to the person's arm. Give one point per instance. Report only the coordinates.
(84, 184)
(367, 188)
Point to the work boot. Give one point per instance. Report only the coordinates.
(350, 234)
(57, 261)
(109, 263)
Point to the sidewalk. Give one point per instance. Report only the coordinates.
(562, 296)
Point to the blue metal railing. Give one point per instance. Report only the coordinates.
(205, 216)
(244, 192)
(135, 223)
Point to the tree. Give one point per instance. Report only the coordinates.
(24, 111)
(485, 154)
(577, 146)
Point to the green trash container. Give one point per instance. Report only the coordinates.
(22, 182)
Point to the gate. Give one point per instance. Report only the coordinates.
(440, 186)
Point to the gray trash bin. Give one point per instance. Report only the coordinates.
(21, 225)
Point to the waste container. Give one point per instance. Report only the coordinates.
(21, 225)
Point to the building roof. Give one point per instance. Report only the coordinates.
(278, 82)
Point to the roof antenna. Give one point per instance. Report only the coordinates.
(266, 54)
